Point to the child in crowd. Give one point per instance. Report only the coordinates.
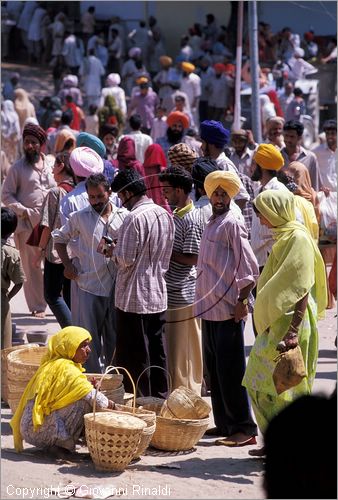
(11, 272)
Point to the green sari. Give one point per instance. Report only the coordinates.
(294, 269)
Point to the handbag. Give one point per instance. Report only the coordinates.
(289, 370)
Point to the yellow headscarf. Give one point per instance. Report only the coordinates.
(188, 67)
(58, 381)
(268, 157)
(229, 181)
(295, 266)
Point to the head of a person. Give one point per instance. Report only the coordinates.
(72, 342)
(9, 222)
(65, 141)
(14, 79)
(165, 62)
(152, 21)
(330, 129)
(135, 53)
(129, 186)
(214, 138)
(221, 186)
(286, 33)
(275, 208)
(219, 69)
(34, 137)
(135, 122)
(180, 103)
(154, 157)
(267, 158)
(160, 111)
(91, 52)
(187, 68)
(274, 126)
(293, 131)
(176, 184)
(184, 40)
(210, 18)
(126, 152)
(144, 88)
(113, 80)
(109, 135)
(288, 448)
(200, 169)
(288, 88)
(62, 168)
(239, 140)
(177, 123)
(182, 155)
(91, 9)
(85, 162)
(114, 33)
(67, 117)
(298, 53)
(92, 109)
(84, 139)
(98, 189)
(298, 92)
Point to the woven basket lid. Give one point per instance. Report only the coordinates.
(120, 421)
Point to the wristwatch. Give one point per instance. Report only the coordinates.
(244, 301)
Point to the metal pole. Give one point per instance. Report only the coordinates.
(237, 111)
(254, 61)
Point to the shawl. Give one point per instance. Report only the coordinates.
(110, 113)
(295, 266)
(23, 106)
(62, 137)
(58, 381)
(126, 156)
(154, 163)
(9, 120)
(302, 178)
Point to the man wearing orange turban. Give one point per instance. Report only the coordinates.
(177, 123)
(226, 272)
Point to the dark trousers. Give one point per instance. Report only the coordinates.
(139, 344)
(57, 292)
(225, 359)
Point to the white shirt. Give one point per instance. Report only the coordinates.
(96, 272)
(261, 236)
(191, 85)
(243, 163)
(327, 162)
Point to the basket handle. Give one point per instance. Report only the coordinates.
(106, 372)
(170, 384)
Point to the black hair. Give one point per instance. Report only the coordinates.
(91, 8)
(142, 24)
(298, 92)
(96, 180)
(9, 222)
(108, 129)
(294, 125)
(201, 168)
(129, 180)
(92, 109)
(135, 121)
(63, 157)
(69, 98)
(177, 177)
(67, 117)
(330, 125)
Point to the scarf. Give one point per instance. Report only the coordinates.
(295, 266)
(58, 381)
(126, 156)
(302, 178)
(9, 120)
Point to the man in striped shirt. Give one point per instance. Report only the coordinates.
(183, 330)
(141, 254)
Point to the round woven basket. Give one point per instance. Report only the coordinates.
(4, 367)
(110, 382)
(22, 365)
(116, 395)
(178, 434)
(113, 437)
(185, 403)
(149, 402)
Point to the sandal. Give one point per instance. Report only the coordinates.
(232, 443)
(39, 314)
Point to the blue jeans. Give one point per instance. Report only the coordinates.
(54, 284)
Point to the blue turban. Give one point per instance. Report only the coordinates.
(214, 133)
(91, 141)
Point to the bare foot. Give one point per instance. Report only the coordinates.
(38, 314)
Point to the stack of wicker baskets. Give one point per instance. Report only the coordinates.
(111, 386)
(21, 366)
(4, 367)
(183, 421)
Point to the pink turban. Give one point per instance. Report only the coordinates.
(85, 162)
(113, 79)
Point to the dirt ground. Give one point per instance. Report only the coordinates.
(208, 471)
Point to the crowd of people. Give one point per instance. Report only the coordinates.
(160, 229)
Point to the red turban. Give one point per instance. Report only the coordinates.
(178, 116)
(220, 67)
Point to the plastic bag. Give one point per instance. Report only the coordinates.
(328, 216)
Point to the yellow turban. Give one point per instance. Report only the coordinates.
(165, 60)
(188, 67)
(229, 181)
(267, 156)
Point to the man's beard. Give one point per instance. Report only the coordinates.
(174, 136)
(32, 157)
(257, 175)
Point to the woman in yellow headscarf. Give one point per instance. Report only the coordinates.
(291, 293)
(51, 409)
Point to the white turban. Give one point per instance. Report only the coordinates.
(85, 162)
(113, 79)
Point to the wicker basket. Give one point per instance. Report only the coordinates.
(178, 434)
(22, 365)
(116, 395)
(166, 412)
(111, 382)
(149, 402)
(128, 399)
(4, 367)
(113, 437)
(185, 403)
